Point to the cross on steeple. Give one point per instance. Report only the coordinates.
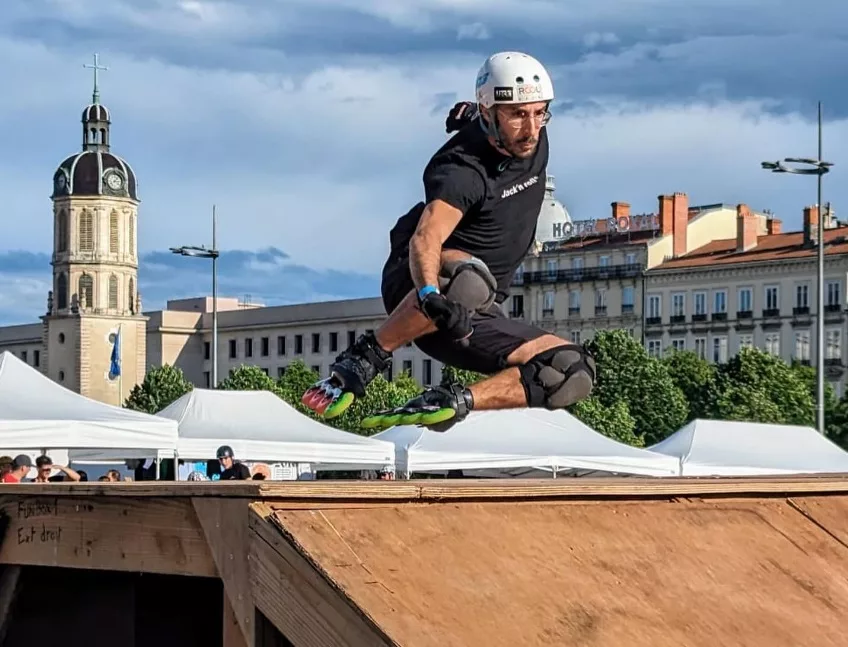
(95, 97)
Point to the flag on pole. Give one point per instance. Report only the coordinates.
(115, 367)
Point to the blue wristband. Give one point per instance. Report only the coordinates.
(427, 289)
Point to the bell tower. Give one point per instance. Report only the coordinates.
(95, 300)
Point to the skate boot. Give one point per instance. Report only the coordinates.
(350, 374)
(437, 408)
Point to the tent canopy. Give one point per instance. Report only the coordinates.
(259, 425)
(35, 412)
(733, 448)
(508, 440)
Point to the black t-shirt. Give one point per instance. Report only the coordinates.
(500, 198)
(238, 472)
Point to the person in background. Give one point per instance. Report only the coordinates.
(5, 465)
(20, 468)
(232, 470)
(44, 465)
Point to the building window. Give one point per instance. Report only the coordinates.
(113, 292)
(627, 303)
(233, 353)
(630, 258)
(548, 304)
(746, 301)
(654, 347)
(577, 263)
(720, 301)
(407, 367)
(427, 372)
(773, 343)
(600, 301)
(86, 291)
(248, 347)
(334, 342)
(298, 344)
(654, 306)
(131, 232)
(62, 231)
(802, 345)
(574, 302)
(519, 274)
(113, 232)
(678, 304)
(833, 293)
(833, 344)
(351, 338)
(746, 341)
(86, 231)
(575, 336)
(701, 347)
(316, 342)
(772, 301)
(553, 268)
(604, 261)
(720, 349)
(131, 295)
(207, 350)
(62, 291)
(281, 344)
(281, 372)
(517, 309)
(265, 370)
(316, 368)
(700, 303)
(36, 358)
(207, 378)
(679, 343)
(24, 356)
(265, 346)
(802, 296)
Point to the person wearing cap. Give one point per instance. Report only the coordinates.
(21, 466)
(44, 465)
(232, 470)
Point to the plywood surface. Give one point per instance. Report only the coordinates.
(643, 573)
(147, 535)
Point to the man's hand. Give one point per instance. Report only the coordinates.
(459, 115)
(449, 316)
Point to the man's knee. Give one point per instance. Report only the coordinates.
(558, 377)
(468, 281)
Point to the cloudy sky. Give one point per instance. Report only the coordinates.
(308, 122)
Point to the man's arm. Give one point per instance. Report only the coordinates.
(437, 222)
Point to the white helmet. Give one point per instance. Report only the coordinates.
(513, 77)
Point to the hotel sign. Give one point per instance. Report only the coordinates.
(641, 222)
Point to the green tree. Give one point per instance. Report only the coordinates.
(161, 386)
(762, 388)
(695, 377)
(807, 374)
(295, 382)
(625, 372)
(613, 421)
(452, 375)
(249, 378)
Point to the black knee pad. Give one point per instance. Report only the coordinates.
(468, 282)
(559, 377)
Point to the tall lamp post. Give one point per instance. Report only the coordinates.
(203, 252)
(816, 167)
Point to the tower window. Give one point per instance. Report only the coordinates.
(86, 231)
(62, 291)
(113, 292)
(113, 232)
(131, 232)
(62, 231)
(131, 296)
(86, 291)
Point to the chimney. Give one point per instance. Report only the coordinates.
(620, 210)
(811, 224)
(773, 226)
(665, 217)
(680, 210)
(746, 228)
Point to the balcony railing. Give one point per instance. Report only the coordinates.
(610, 272)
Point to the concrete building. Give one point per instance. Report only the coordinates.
(756, 288)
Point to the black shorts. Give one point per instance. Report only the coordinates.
(494, 339)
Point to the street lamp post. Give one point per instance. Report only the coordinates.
(203, 252)
(816, 167)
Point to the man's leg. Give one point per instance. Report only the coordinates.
(358, 365)
(528, 368)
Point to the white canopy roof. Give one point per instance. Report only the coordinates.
(259, 425)
(732, 448)
(533, 439)
(36, 412)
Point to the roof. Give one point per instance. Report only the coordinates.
(88, 172)
(770, 248)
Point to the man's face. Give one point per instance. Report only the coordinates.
(519, 126)
(44, 471)
(226, 462)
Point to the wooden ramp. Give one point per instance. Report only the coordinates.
(589, 562)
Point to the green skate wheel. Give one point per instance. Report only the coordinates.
(338, 407)
(435, 417)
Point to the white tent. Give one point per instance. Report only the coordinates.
(732, 448)
(518, 442)
(36, 412)
(258, 425)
